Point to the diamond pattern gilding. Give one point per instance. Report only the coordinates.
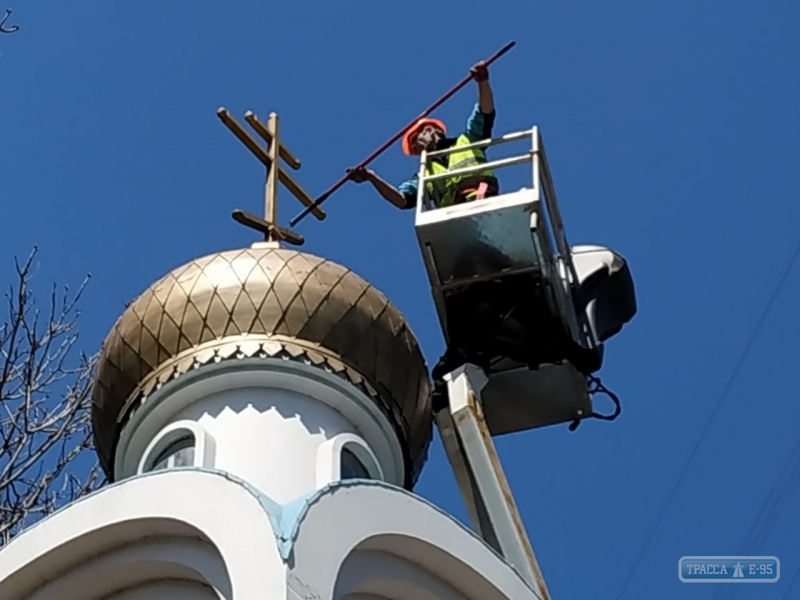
(114, 348)
(131, 363)
(187, 277)
(206, 335)
(163, 353)
(420, 412)
(201, 294)
(191, 316)
(170, 333)
(245, 314)
(384, 361)
(323, 281)
(400, 381)
(184, 343)
(368, 352)
(364, 327)
(395, 321)
(243, 267)
(271, 263)
(152, 315)
(229, 294)
(176, 302)
(370, 348)
(259, 286)
(286, 287)
(162, 289)
(217, 316)
(416, 412)
(344, 336)
(269, 314)
(335, 308)
(230, 281)
(313, 291)
(231, 329)
(203, 261)
(295, 317)
(149, 348)
(258, 283)
(219, 270)
(373, 305)
(313, 261)
(130, 333)
(352, 286)
(398, 350)
(220, 298)
(297, 265)
(139, 306)
(186, 272)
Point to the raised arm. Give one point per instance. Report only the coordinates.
(480, 72)
(481, 121)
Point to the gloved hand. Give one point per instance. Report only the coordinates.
(360, 174)
(480, 72)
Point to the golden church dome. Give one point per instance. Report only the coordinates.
(264, 302)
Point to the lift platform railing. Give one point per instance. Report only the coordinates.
(426, 157)
(549, 233)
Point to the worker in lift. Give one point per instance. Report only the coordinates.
(430, 135)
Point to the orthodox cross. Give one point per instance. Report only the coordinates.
(270, 158)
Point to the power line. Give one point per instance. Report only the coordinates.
(791, 585)
(757, 535)
(712, 416)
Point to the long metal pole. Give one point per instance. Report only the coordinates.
(397, 136)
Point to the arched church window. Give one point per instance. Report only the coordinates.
(352, 467)
(356, 461)
(178, 453)
(175, 449)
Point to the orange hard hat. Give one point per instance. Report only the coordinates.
(411, 133)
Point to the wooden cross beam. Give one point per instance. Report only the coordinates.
(270, 158)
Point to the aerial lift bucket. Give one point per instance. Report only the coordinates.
(510, 254)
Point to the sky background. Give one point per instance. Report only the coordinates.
(671, 130)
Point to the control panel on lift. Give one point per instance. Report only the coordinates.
(513, 297)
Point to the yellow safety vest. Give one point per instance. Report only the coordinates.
(443, 191)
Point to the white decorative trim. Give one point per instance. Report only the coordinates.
(204, 445)
(165, 562)
(329, 458)
(157, 505)
(146, 421)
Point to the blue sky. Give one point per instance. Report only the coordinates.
(671, 129)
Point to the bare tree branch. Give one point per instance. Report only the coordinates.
(46, 457)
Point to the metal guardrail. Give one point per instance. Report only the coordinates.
(497, 164)
(509, 137)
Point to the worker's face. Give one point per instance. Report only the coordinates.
(427, 139)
